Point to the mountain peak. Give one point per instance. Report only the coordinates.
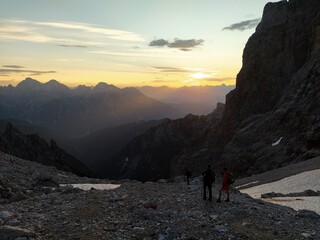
(104, 87)
(55, 85)
(29, 83)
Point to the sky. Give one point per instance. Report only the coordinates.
(125, 42)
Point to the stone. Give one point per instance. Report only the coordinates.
(306, 235)
(10, 232)
(18, 196)
(151, 204)
(5, 215)
(307, 214)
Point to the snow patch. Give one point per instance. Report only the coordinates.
(89, 186)
(296, 183)
(298, 203)
(277, 142)
(247, 184)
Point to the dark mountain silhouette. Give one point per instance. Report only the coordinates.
(152, 155)
(195, 99)
(80, 110)
(34, 148)
(98, 148)
(272, 117)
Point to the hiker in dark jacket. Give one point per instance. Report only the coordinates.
(208, 180)
(188, 175)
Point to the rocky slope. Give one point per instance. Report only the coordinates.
(34, 148)
(163, 210)
(151, 156)
(97, 149)
(272, 117)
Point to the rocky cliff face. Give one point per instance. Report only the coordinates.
(272, 117)
(286, 38)
(289, 133)
(273, 114)
(34, 148)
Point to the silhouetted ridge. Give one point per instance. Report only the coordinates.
(29, 84)
(103, 87)
(55, 85)
(80, 110)
(33, 147)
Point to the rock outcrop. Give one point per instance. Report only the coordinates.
(272, 117)
(34, 148)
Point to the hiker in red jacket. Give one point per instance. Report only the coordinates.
(225, 185)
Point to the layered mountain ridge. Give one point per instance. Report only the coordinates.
(80, 110)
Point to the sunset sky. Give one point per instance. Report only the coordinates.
(125, 42)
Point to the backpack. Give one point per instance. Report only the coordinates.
(230, 179)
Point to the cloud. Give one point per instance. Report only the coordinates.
(218, 79)
(134, 54)
(6, 72)
(110, 33)
(172, 69)
(162, 81)
(158, 43)
(81, 34)
(72, 46)
(185, 49)
(183, 45)
(244, 25)
(12, 66)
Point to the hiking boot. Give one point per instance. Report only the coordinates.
(218, 201)
(228, 200)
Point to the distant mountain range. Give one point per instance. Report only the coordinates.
(95, 123)
(80, 110)
(196, 100)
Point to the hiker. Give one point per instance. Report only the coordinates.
(188, 175)
(208, 180)
(226, 181)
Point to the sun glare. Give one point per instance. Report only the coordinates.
(200, 75)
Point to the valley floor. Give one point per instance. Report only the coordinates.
(162, 210)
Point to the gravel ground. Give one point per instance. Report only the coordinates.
(165, 210)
